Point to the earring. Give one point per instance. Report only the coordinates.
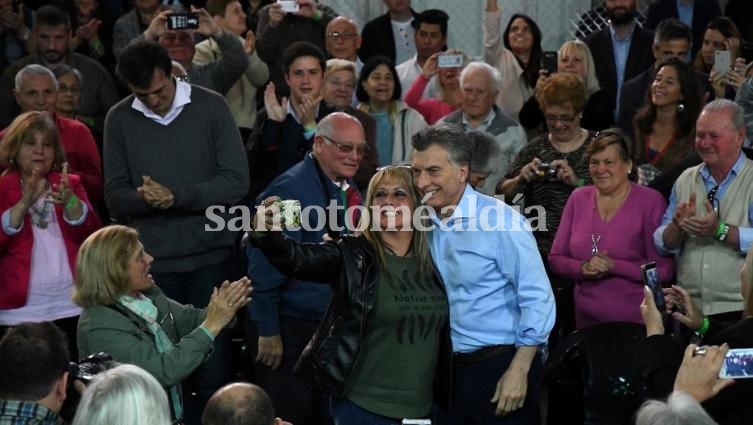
(680, 107)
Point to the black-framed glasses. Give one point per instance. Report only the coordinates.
(362, 149)
(336, 35)
(713, 200)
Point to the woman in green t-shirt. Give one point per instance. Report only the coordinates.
(382, 347)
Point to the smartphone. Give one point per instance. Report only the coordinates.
(549, 62)
(746, 52)
(416, 421)
(651, 279)
(182, 21)
(289, 6)
(722, 60)
(450, 61)
(738, 364)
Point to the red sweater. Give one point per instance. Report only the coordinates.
(81, 153)
(15, 251)
(431, 109)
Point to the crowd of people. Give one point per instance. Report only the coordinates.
(425, 227)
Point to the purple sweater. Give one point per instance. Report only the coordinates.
(627, 238)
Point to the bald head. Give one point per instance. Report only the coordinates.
(342, 38)
(239, 403)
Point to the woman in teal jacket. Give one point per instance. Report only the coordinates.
(126, 315)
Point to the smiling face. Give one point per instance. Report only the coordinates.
(36, 154)
(434, 174)
(334, 161)
(563, 122)
(521, 36)
(717, 141)
(380, 86)
(338, 88)
(392, 205)
(139, 278)
(609, 170)
(36, 93)
(305, 76)
(666, 89)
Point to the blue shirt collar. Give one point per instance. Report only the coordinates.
(706, 173)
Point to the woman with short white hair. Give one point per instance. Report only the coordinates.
(124, 395)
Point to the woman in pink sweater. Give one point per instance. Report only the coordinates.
(448, 87)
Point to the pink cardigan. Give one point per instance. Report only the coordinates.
(431, 109)
(15, 251)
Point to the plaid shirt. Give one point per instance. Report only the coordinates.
(15, 412)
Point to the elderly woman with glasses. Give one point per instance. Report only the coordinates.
(606, 235)
(381, 347)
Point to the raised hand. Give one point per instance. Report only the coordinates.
(276, 111)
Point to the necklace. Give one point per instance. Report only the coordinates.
(596, 238)
(595, 244)
(38, 216)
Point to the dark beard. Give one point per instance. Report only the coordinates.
(625, 18)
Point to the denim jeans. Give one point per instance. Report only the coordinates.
(345, 412)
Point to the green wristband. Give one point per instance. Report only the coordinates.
(720, 229)
(704, 327)
(581, 182)
(71, 202)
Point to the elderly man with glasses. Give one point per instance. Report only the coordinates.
(708, 224)
(285, 312)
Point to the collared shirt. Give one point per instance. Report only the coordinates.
(408, 71)
(17, 412)
(467, 126)
(182, 98)
(405, 45)
(621, 48)
(685, 12)
(496, 285)
(746, 233)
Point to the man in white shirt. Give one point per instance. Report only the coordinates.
(430, 37)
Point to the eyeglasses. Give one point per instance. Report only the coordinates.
(362, 149)
(565, 119)
(713, 200)
(341, 35)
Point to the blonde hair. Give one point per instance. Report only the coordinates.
(102, 266)
(592, 82)
(336, 65)
(400, 175)
(24, 127)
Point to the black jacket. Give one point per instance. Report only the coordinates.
(639, 57)
(350, 266)
(703, 12)
(377, 38)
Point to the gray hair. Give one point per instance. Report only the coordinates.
(491, 71)
(124, 395)
(34, 70)
(448, 137)
(64, 69)
(725, 105)
(484, 150)
(336, 65)
(680, 409)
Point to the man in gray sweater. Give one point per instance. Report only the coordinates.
(171, 151)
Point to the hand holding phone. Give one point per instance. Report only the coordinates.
(182, 21)
(651, 279)
(289, 6)
(722, 61)
(449, 61)
(549, 62)
(738, 364)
